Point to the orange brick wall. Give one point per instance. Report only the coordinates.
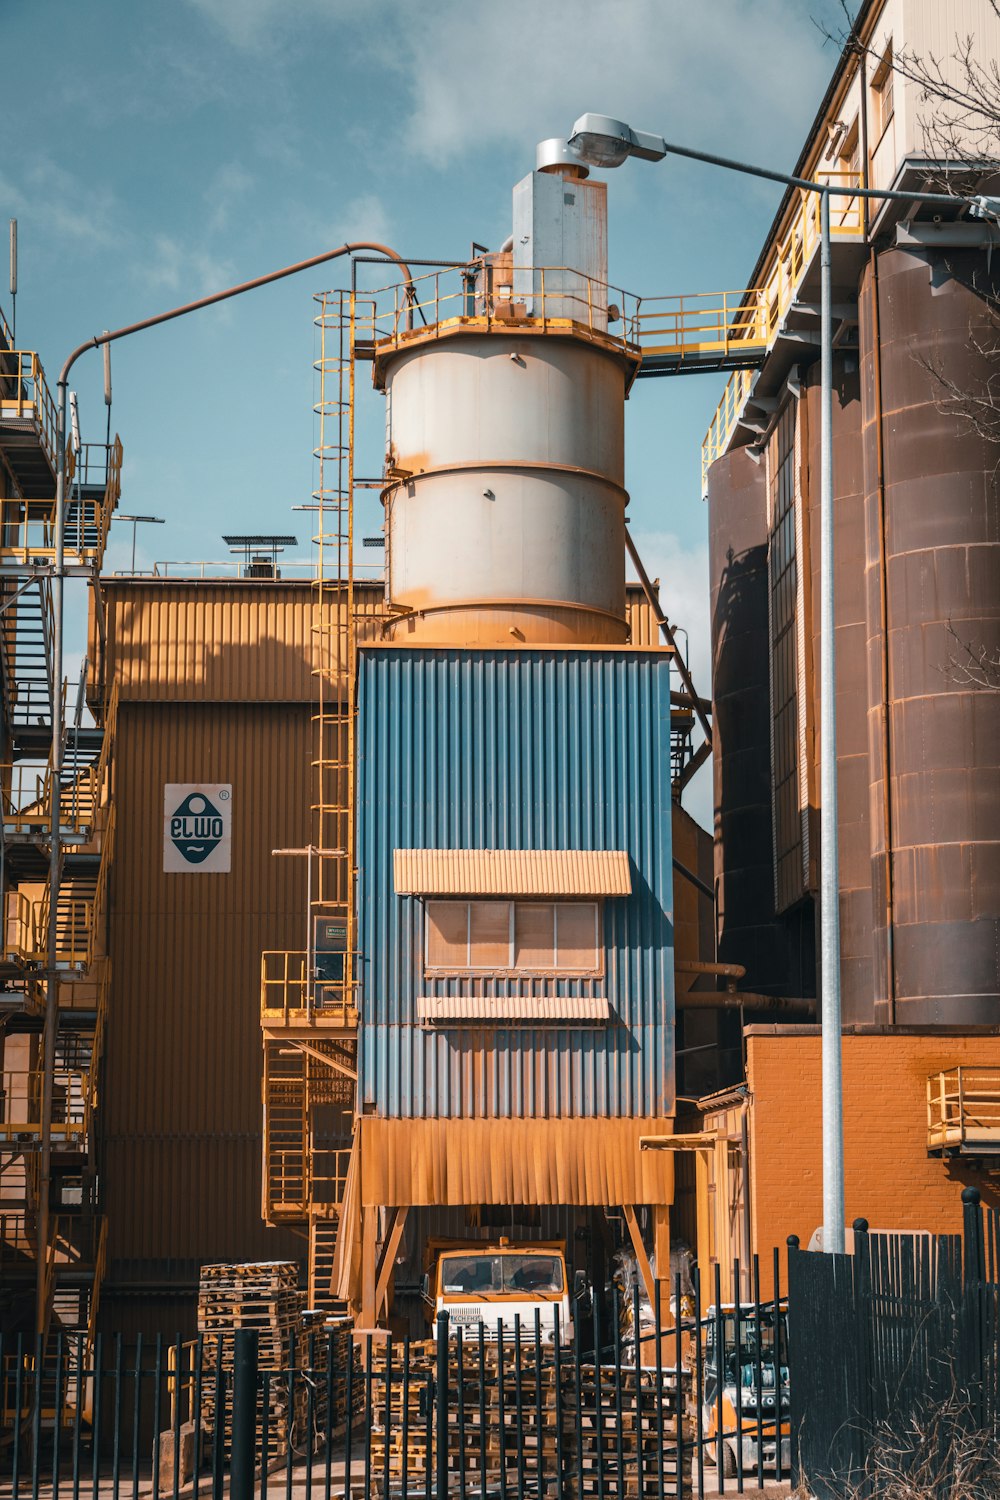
(889, 1178)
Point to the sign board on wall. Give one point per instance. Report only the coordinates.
(197, 827)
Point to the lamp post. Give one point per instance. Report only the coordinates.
(58, 717)
(147, 520)
(600, 141)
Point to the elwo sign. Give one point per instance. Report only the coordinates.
(197, 827)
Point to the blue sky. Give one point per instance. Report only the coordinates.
(158, 151)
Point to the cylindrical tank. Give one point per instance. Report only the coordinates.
(505, 512)
(934, 545)
(777, 951)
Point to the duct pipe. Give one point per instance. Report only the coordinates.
(782, 1005)
(58, 718)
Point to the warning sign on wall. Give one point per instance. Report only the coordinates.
(197, 827)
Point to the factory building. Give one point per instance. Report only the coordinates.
(380, 920)
(917, 579)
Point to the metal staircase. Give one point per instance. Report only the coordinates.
(68, 1263)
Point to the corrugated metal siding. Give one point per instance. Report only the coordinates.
(180, 1113)
(643, 629)
(533, 750)
(599, 1162)
(190, 640)
(512, 872)
(536, 1011)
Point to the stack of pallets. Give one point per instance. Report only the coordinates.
(591, 1428)
(263, 1296)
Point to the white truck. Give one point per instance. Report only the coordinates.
(481, 1284)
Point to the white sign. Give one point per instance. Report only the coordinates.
(197, 827)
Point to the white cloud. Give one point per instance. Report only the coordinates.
(251, 24)
(229, 185)
(174, 267)
(684, 595)
(460, 82)
(705, 73)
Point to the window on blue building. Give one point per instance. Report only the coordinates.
(513, 937)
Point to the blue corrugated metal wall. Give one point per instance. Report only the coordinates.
(540, 749)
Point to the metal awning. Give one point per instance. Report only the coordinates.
(518, 1010)
(512, 872)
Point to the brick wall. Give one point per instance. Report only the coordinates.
(889, 1178)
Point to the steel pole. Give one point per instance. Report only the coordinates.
(829, 898)
(55, 855)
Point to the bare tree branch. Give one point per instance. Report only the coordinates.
(972, 665)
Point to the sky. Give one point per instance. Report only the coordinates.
(165, 150)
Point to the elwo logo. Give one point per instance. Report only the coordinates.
(196, 828)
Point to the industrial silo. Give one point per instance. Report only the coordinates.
(933, 595)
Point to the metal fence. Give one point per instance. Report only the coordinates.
(506, 1412)
(895, 1362)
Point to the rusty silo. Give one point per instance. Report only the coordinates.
(933, 589)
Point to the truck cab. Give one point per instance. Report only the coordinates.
(496, 1286)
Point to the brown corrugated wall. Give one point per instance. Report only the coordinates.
(180, 1115)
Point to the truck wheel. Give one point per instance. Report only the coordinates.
(729, 1461)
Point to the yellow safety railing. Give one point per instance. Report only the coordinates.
(727, 412)
(767, 305)
(25, 791)
(285, 993)
(21, 1104)
(698, 325)
(483, 295)
(25, 396)
(5, 331)
(28, 526)
(19, 928)
(963, 1110)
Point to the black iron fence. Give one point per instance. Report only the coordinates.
(895, 1362)
(646, 1398)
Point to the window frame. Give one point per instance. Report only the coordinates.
(883, 90)
(511, 969)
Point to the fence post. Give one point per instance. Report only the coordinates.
(243, 1455)
(864, 1395)
(972, 1330)
(441, 1399)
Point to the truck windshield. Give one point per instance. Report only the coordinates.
(482, 1275)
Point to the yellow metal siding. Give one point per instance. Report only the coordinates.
(513, 1161)
(180, 1108)
(209, 641)
(511, 872)
(643, 629)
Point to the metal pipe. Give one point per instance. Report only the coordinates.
(829, 903)
(696, 966)
(58, 579)
(787, 1005)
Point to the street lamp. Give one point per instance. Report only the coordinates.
(58, 715)
(146, 520)
(602, 141)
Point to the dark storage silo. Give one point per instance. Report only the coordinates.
(778, 952)
(933, 534)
